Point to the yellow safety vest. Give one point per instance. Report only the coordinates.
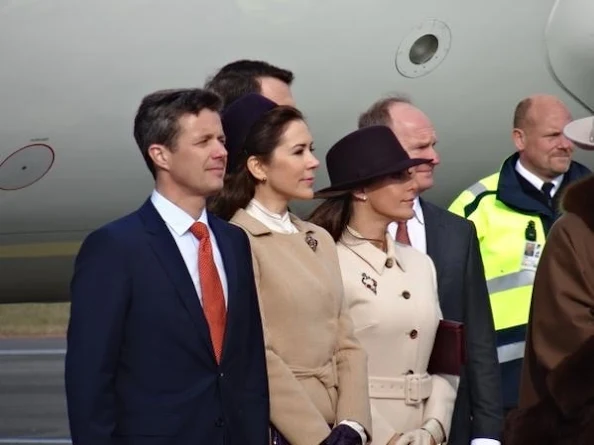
(501, 233)
(503, 244)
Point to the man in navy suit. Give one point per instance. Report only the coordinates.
(165, 342)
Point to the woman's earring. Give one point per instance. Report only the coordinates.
(364, 197)
(263, 180)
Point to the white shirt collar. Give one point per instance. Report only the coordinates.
(535, 180)
(174, 216)
(274, 221)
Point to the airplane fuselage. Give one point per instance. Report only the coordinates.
(73, 74)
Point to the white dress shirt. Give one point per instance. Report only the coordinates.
(536, 181)
(179, 222)
(282, 224)
(418, 239)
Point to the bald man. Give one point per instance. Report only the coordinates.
(513, 211)
(452, 244)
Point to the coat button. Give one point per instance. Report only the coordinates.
(414, 334)
(389, 263)
(220, 422)
(406, 295)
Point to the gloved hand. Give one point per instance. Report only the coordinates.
(430, 433)
(416, 437)
(342, 435)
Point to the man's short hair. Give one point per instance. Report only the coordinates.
(379, 112)
(522, 114)
(157, 118)
(242, 77)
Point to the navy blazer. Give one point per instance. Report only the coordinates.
(140, 367)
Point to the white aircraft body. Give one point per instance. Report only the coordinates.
(73, 73)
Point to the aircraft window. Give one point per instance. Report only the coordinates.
(423, 49)
(25, 166)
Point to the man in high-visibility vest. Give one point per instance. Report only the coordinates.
(557, 389)
(513, 211)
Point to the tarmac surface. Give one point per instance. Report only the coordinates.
(32, 399)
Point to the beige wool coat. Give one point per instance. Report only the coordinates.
(317, 370)
(394, 305)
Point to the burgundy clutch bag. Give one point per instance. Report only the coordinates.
(449, 349)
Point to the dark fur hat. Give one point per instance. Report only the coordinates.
(577, 199)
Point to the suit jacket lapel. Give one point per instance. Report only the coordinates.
(433, 229)
(228, 253)
(169, 256)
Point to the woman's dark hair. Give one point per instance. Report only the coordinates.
(333, 215)
(264, 136)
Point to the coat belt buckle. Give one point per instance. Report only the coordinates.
(412, 390)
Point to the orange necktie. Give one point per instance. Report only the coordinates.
(402, 233)
(213, 299)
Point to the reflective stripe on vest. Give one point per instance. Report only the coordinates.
(477, 189)
(510, 297)
(510, 281)
(511, 352)
(501, 234)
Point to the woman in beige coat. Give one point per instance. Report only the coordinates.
(317, 370)
(391, 288)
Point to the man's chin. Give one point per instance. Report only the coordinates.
(214, 189)
(562, 167)
(425, 181)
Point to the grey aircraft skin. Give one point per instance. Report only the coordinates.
(74, 72)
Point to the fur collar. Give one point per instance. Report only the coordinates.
(577, 199)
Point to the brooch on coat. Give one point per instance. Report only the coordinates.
(369, 283)
(311, 241)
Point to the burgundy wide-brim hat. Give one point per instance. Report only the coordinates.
(238, 119)
(581, 132)
(362, 156)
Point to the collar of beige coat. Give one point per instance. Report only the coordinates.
(373, 256)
